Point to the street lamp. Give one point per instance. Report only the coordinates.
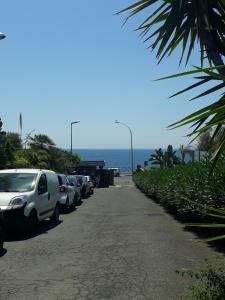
(131, 144)
(71, 132)
(2, 36)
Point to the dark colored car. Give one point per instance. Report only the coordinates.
(2, 230)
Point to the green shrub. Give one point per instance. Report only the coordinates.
(183, 188)
(209, 283)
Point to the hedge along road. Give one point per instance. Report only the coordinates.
(117, 245)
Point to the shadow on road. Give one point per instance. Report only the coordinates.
(203, 234)
(199, 233)
(155, 215)
(43, 228)
(3, 252)
(67, 211)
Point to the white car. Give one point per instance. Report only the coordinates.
(67, 193)
(76, 187)
(84, 186)
(91, 184)
(28, 196)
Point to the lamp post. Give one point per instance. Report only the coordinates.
(2, 36)
(71, 132)
(131, 144)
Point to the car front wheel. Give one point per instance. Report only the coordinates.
(32, 222)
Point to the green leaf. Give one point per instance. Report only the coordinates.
(199, 70)
(216, 238)
(206, 225)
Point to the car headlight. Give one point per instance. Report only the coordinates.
(18, 201)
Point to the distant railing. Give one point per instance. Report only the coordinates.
(123, 169)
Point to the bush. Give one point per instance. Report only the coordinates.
(210, 283)
(183, 188)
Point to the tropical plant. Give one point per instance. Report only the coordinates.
(6, 150)
(14, 139)
(186, 189)
(42, 153)
(209, 283)
(210, 117)
(165, 159)
(157, 158)
(205, 142)
(188, 23)
(215, 213)
(21, 161)
(185, 23)
(41, 141)
(170, 157)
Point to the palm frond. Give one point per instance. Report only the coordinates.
(181, 22)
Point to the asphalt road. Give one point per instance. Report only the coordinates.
(117, 245)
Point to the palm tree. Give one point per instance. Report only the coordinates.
(170, 157)
(186, 24)
(158, 158)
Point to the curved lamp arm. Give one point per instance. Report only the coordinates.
(131, 143)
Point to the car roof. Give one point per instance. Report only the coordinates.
(31, 171)
(71, 177)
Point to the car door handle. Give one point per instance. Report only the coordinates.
(49, 196)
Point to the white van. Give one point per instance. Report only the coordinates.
(28, 196)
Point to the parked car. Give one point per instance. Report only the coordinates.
(28, 196)
(2, 230)
(77, 188)
(84, 185)
(91, 184)
(67, 193)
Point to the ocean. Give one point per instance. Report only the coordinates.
(117, 158)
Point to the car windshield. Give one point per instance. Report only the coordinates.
(17, 182)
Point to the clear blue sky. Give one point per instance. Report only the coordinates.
(72, 60)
